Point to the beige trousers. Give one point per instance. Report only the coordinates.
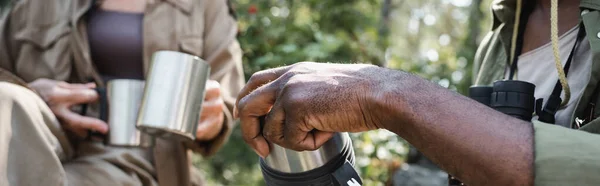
(34, 150)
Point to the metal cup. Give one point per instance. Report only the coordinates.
(124, 97)
(173, 96)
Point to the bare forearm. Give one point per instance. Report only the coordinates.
(469, 140)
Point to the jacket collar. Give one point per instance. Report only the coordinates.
(504, 17)
(184, 5)
(504, 10)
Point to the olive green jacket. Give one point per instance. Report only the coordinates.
(562, 156)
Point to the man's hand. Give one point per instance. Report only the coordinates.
(61, 96)
(211, 116)
(306, 102)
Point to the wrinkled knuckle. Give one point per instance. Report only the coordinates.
(241, 101)
(254, 78)
(268, 135)
(271, 135)
(296, 100)
(288, 75)
(242, 105)
(293, 83)
(260, 76)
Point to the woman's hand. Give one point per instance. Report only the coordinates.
(306, 103)
(61, 96)
(211, 116)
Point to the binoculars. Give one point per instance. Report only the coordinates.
(514, 98)
(511, 97)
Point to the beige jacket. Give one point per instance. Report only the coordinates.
(47, 39)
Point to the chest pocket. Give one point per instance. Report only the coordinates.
(43, 52)
(192, 44)
(190, 28)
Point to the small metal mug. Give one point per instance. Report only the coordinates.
(173, 96)
(124, 97)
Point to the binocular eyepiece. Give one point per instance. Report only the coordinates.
(514, 98)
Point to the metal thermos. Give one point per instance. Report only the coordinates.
(330, 165)
(124, 97)
(173, 96)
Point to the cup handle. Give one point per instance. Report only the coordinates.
(103, 101)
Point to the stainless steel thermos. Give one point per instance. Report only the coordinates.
(330, 165)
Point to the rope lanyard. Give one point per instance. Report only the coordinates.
(517, 44)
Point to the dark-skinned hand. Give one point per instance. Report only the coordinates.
(305, 103)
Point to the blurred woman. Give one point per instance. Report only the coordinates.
(51, 49)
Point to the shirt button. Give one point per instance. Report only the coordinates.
(598, 35)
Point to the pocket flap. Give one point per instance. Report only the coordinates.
(192, 45)
(43, 36)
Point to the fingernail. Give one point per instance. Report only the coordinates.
(235, 112)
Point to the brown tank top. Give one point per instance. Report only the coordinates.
(116, 45)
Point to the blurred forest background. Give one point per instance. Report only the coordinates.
(435, 39)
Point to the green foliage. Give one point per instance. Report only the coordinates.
(435, 39)
(284, 32)
(235, 164)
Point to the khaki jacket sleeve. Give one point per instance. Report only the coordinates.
(6, 57)
(223, 52)
(565, 156)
